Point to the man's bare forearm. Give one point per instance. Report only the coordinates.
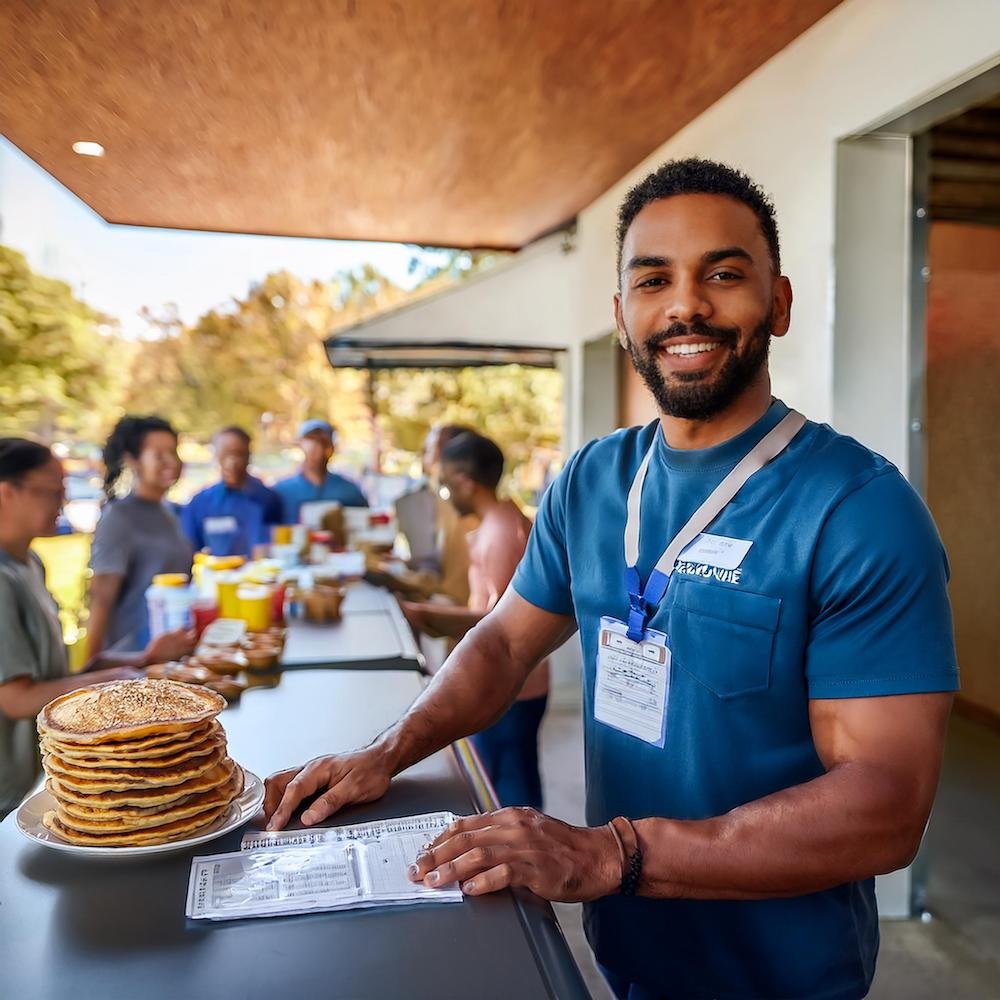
(477, 684)
(849, 824)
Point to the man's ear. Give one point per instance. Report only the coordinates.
(781, 306)
(619, 322)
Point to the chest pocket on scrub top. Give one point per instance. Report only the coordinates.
(723, 637)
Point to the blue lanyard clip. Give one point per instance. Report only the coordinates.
(643, 601)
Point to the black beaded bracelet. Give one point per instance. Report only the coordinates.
(630, 882)
(633, 871)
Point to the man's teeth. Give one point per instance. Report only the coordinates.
(690, 348)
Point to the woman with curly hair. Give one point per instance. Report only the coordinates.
(138, 535)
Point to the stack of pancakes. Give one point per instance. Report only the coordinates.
(136, 763)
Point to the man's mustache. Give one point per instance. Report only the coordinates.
(726, 335)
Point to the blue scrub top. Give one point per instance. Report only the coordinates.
(230, 522)
(297, 490)
(841, 595)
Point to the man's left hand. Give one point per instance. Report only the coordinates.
(521, 846)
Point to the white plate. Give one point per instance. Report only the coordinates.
(241, 809)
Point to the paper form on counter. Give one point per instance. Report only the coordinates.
(304, 871)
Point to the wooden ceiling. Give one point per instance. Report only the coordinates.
(965, 166)
(475, 123)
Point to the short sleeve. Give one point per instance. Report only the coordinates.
(353, 495)
(110, 550)
(543, 576)
(879, 589)
(285, 491)
(18, 657)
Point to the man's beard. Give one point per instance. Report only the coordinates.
(697, 395)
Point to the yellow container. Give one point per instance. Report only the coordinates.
(227, 585)
(281, 534)
(219, 563)
(170, 580)
(255, 606)
(198, 567)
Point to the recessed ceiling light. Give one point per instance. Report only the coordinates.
(88, 148)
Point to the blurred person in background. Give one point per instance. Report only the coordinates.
(233, 516)
(471, 469)
(34, 666)
(314, 480)
(138, 535)
(436, 532)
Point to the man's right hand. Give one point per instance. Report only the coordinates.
(350, 778)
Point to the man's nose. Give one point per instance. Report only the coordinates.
(687, 303)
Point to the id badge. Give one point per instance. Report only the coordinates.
(633, 682)
(224, 524)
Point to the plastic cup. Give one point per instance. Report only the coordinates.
(255, 606)
(227, 585)
(281, 534)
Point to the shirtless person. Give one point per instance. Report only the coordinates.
(471, 468)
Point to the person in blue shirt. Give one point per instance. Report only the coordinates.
(768, 658)
(314, 481)
(234, 515)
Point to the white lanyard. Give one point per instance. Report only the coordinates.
(643, 601)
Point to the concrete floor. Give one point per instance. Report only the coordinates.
(955, 954)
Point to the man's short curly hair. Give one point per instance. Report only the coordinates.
(698, 176)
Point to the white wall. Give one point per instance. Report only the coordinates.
(863, 63)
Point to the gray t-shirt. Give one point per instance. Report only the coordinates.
(30, 646)
(136, 539)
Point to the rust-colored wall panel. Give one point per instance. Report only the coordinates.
(963, 437)
(450, 122)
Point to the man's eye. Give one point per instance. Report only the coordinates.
(651, 282)
(725, 276)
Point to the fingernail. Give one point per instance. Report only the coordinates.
(414, 871)
(434, 878)
(469, 886)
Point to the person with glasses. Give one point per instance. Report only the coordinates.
(34, 667)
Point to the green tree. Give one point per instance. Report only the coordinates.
(519, 407)
(55, 375)
(260, 363)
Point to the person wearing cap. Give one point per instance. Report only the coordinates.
(314, 481)
(236, 513)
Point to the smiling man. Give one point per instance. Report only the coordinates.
(768, 653)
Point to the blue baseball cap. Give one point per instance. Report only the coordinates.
(311, 426)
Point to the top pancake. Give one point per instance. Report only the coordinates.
(120, 710)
